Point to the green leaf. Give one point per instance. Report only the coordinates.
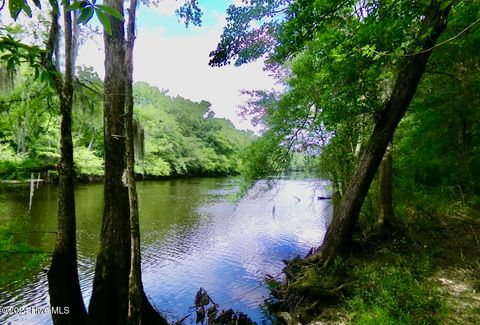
(26, 8)
(37, 4)
(109, 10)
(105, 21)
(43, 76)
(54, 5)
(15, 6)
(37, 73)
(77, 5)
(85, 15)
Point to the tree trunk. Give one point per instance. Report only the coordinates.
(64, 287)
(340, 231)
(135, 288)
(140, 311)
(386, 213)
(109, 302)
(92, 139)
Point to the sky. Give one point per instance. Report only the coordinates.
(170, 56)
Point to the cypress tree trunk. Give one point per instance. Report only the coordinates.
(140, 311)
(340, 231)
(135, 288)
(64, 287)
(109, 302)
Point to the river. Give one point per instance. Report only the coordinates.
(192, 236)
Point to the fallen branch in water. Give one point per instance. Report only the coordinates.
(324, 198)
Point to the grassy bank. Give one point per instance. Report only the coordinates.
(426, 273)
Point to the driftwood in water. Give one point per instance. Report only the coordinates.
(324, 198)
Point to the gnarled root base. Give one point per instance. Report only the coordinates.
(308, 291)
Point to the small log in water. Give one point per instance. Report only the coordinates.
(32, 189)
(324, 198)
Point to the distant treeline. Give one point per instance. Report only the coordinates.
(174, 136)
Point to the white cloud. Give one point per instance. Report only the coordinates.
(180, 64)
(166, 7)
(91, 53)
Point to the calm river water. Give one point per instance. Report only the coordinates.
(192, 236)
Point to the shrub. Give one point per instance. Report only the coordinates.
(87, 163)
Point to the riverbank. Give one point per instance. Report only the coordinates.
(428, 272)
(51, 177)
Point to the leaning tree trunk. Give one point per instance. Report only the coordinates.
(64, 287)
(340, 231)
(140, 311)
(109, 302)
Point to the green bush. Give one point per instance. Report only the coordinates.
(86, 163)
(156, 166)
(7, 153)
(13, 166)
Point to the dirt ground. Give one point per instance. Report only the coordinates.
(457, 265)
(453, 243)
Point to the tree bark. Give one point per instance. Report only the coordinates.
(64, 287)
(109, 302)
(385, 190)
(340, 231)
(135, 288)
(140, 311)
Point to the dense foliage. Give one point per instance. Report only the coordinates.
(175, 136)
(183, 137)
(340, 62)
(345, 64)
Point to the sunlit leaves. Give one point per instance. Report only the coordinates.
(87, 163)
(14, 52)
(102, 17)
(263, 158)
(185, 136)
(369, 50)
(341, 57)
(87, 9)
(15, 8)
(109, 11)
(86, 13)
(18, 6)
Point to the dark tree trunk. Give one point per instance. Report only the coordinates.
(109, 302)
(340, 231)
(140, 311)
(64, 287)
(385, 194)
(135, 288)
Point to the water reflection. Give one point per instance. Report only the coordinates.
(192, 237)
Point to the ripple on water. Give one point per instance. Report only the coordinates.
(193, 237)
